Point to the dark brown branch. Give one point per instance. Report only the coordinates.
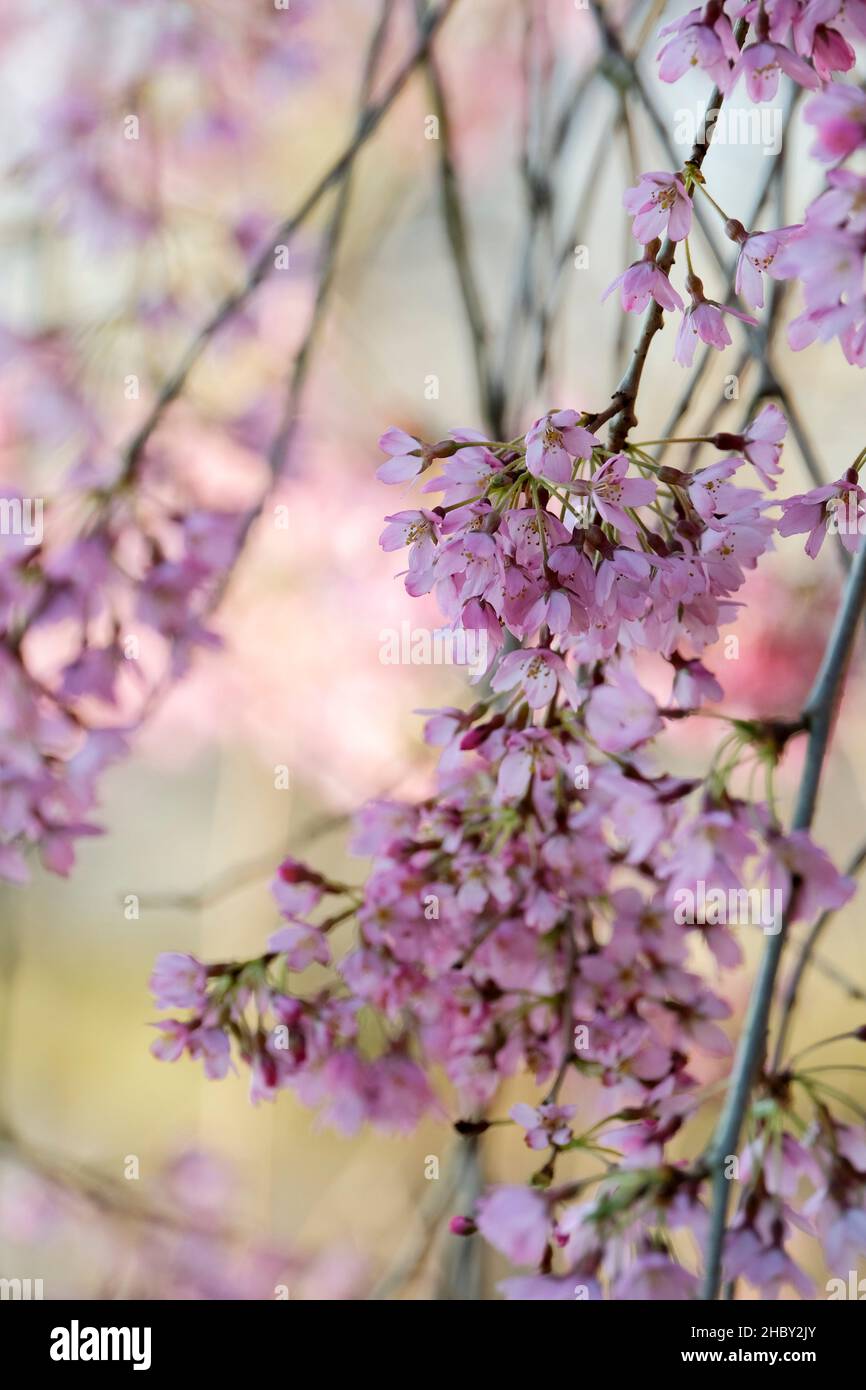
(625, 395)
(328, 261)
(454, 217)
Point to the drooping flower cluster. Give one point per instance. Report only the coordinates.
(92, 622)
(810, 42)
(806, 40)
(544, 910)
(537, 913)
(107, 578)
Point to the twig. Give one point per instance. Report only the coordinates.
(709, 355)
(553, 301)
(261, 268)
(104, 1193)
(567, 1017)
(415, 1251)
(626, 393)
(240, 875)
(623, 72)
(454, 216)
(333, 235)
(633, 172)
(539, 166)
(461, 1277)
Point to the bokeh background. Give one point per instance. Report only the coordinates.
(114, 250)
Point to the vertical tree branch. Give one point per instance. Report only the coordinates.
(454, 217)
(328, 260)
(817, 717)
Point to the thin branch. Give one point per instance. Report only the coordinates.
(454, 217)
(328, 261)
(464, 1259)
(626, 393)
(416, 1249)
(567, 1016)
(832, 972)
(817, 717)
(633, 173)
(623, 71)
(239, 876)
(102, 1192)
(553, 300)
(539, 166)
(261, 268)
(710, 355)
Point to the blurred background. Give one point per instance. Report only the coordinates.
(127, 1176)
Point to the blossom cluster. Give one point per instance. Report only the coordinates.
(520, 919)
(94, 620)
(103, 602)
(809, 42)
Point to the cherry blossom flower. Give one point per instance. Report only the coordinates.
(554, 441)
(813, 511)
(702, 38)
(839, 113)
(178, 981)
(660, 205)
(804, 874)
(612, 492)
(515, 1221)
(758, 252)
(762, 64)
(539, 673)
(621, 714)
(405, 459)
(703, 319)
(642, 281)
(655, 1275)
(546, 1125)
(693, 684)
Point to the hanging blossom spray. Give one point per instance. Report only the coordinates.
(527, 917)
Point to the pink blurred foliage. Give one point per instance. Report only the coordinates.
(303, 619)
(179, 1244)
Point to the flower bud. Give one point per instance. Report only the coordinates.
(735, 231)
(694, 286)
(728, 441)
(462, 1226)
(672, 475)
